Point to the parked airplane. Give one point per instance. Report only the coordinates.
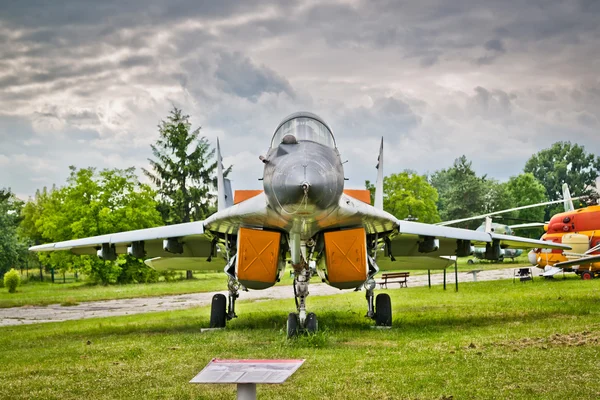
(489, 226)
(305, 215)
(579, 229)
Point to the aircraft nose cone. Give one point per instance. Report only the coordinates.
(304, 179)
(532, 255)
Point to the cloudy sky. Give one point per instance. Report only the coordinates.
(86, 82)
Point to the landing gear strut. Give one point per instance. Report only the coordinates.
(233, 286)
(382, 312)
(301, 321)
(218, 313)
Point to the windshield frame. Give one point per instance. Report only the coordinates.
(304, 115)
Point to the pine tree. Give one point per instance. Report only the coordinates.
(183, 171)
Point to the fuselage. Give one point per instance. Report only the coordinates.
(303, 176)
(584, 221)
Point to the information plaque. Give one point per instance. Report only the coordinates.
(247, 373)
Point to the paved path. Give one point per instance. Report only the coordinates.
(112, 308)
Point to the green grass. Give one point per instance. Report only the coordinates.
(491, 340)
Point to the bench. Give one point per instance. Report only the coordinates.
(394, 277)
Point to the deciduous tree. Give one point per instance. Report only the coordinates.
(562, 163)
(12, 250)
(91, 204)
(408, 194)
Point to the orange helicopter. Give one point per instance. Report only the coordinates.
(579, 229)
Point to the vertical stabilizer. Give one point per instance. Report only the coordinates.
(567, 198)
(221, 203)
(228, 193)
(379, 184)
(488, 225)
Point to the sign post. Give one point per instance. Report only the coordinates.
(247, 373)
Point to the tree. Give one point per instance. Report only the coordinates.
(461, 191)
(12, 249)
(562, 163)
(525, 189)
(91, 204)
(408, 194)
(183, 171)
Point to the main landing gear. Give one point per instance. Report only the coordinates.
(301, 321)
(218, 314)
(382, 311)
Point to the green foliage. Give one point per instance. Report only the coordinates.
(408, 194)
(183, 170)
(562, 163)
(12, 280)
(91, 204)
(525, 189)
(461, 191)
(12, 249)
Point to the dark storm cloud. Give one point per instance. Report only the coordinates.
(88, 81)
(41, 13)
(240, 76)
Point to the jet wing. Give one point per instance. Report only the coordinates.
(191, 235)
(406, 237)
(192, 239)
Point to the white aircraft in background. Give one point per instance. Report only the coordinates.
(304, 216)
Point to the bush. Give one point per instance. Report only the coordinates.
(12, 280)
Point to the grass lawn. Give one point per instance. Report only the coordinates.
(491, 340)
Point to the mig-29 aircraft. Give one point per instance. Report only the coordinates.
(304, 216)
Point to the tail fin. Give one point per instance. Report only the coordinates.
(568, 201)
(221, 198)
(488, 225)
(379, 184)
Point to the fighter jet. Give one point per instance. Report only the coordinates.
(303, 217)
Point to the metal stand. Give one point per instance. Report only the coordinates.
(456, 274)
(246, 391)
(429, 277)
(444, 278)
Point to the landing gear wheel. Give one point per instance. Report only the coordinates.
(218, 314)
(383, 310)
(292, 325)
(470, 262)
(501, 259)
(587, 275)
(312, 325)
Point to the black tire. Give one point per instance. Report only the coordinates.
(218, 315)
(312, 325)
(500, 259)
(383, 310)
(292, 325)
(470, 262)
(587, 275)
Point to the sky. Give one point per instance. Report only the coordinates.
(86, 83)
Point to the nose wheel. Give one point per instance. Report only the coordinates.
(301, 321)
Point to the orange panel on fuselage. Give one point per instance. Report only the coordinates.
(257, 257)
(243, 195)
(359, 194)
(346, 257)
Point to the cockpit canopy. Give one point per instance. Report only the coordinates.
(303, 126)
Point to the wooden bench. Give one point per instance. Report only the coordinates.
(394, 277)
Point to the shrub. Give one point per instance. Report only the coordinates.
(12, 280)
